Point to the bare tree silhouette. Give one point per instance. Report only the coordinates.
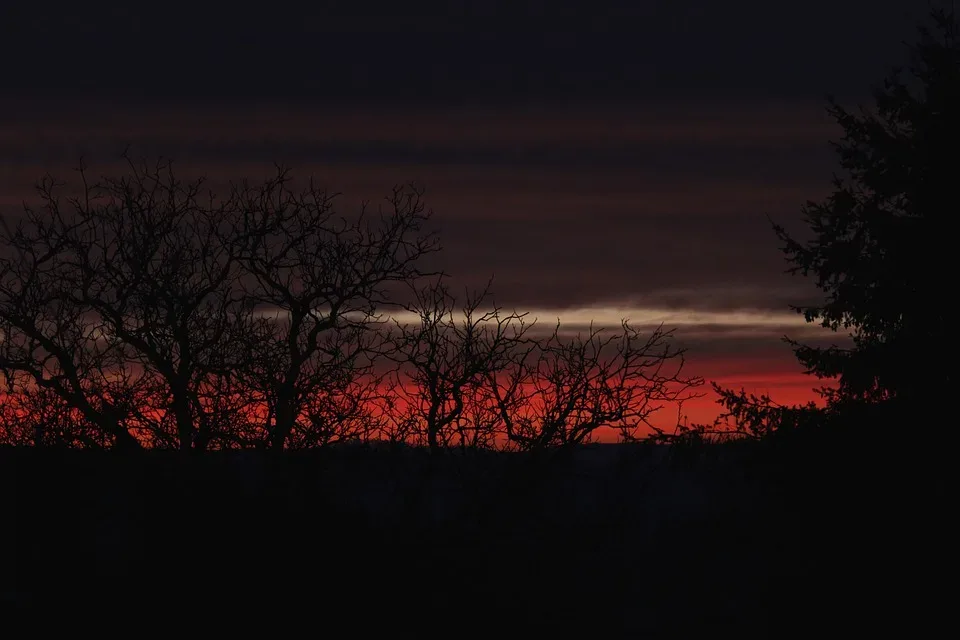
(483, 377)
(322, 282)
(570, 387)
(126, 288)
(158, 315)
(445, 355)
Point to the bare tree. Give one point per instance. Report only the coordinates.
(126, 285)
(475, 377)
(150, 313)
(169, 317)
(444, 354)
(320, 281)
(50, 345)
(37, 416)
(570, 387)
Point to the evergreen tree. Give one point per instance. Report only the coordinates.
(881, 249)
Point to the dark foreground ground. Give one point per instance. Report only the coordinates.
(607, 540)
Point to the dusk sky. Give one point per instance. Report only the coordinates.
(599, 160)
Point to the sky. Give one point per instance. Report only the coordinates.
(599, 160)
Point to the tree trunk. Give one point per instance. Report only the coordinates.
(124, 441)
(286, 413)
(283, 425)
(433, 429)
(181, 411)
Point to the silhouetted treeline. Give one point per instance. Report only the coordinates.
(142, 311)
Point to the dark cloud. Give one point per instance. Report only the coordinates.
(638, 204)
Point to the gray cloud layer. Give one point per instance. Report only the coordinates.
(642, 205)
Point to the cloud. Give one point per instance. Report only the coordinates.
(233, 125)
(650, 203)
(690, 323)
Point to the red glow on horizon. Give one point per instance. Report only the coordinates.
(783, 387)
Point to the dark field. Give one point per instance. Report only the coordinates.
(622, 538)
